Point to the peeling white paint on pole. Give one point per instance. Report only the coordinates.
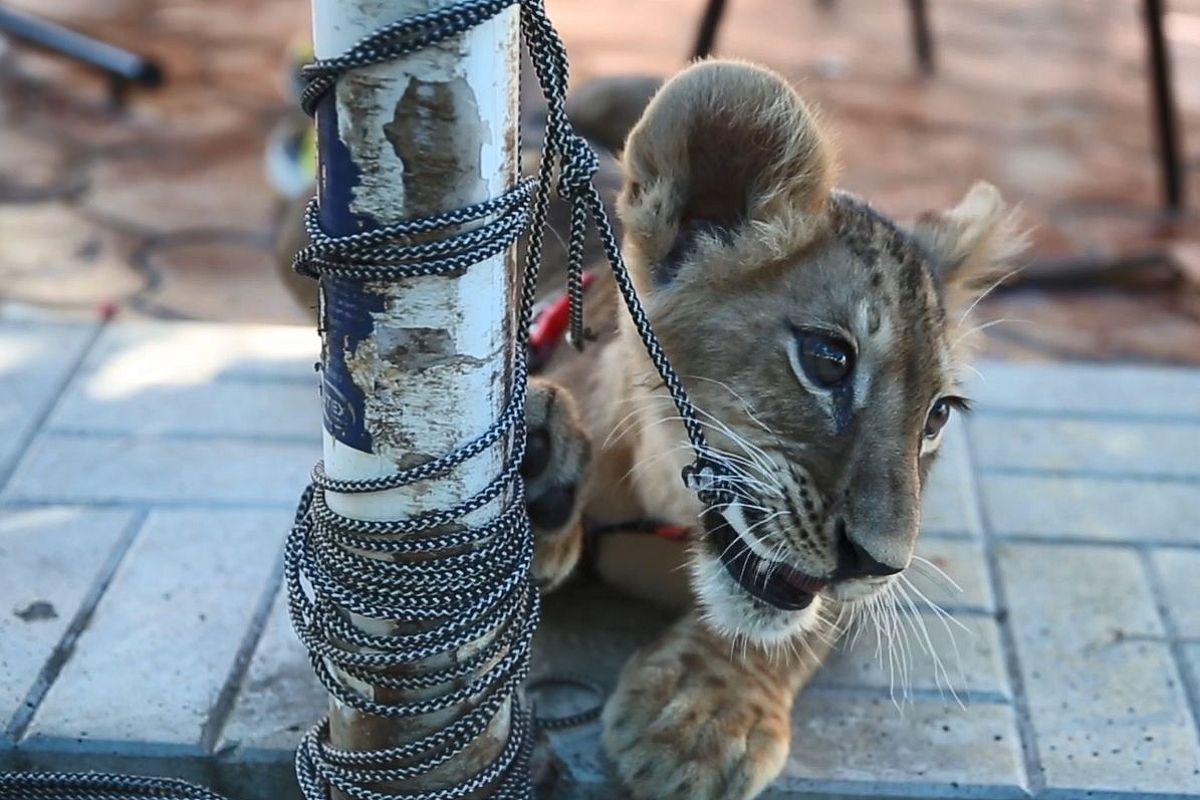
(431, 132)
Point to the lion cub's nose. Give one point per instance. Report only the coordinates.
(854, 561)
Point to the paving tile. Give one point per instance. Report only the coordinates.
(1086, 508)
(135, 355)
(280, 697)
(963, 564)
(35, 360)
(589, 631)
(930, 749)
(1179, 572)
(1103, 691)
(71, 468)
(970, 662)
(1090, 389)
(1191, 663)
(1089, 447)
(946, 507)
(855, 747)
(246, 409)
(165, 636)
(49, 562)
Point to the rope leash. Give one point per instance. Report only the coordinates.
(457, 584)
(96, 786)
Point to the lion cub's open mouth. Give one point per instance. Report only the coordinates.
(771, 582)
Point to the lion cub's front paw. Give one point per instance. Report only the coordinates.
(557, 455)
(687, 721)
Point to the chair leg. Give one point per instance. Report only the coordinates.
(1170, 158)
(922, 35)
(706, 37)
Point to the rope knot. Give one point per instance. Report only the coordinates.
(579, 166)
(708, 477)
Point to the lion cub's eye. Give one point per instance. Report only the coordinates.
(939, 415)
(827, 360)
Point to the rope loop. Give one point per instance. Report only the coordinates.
(395, 41)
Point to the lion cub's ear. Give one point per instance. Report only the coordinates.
(725, 152)
(973, 244)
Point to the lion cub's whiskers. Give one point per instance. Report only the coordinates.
(934, 572)
(984, 326)
(745, 405)
(896, 619)
(917, 622)
(755, 458)
(947, 620)
(991, 288)
(714, 423)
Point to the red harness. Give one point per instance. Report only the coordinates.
(549, 326)
(548, 329)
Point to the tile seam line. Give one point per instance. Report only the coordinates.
(976, 697)
(153, 504)
(1031, 761)
(172, 436)
(1093, 542)
(243, 378)
(52, 402)
(61, 655)
(222, 707)
(997, 413)
(1093, 475)
(1175, 639)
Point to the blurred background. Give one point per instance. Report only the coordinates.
(168, 201)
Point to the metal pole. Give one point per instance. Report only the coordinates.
(50, 36)
(922, 35)
(1170, 159)
(414, 369)
(710, 23)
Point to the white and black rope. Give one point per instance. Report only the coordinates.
(96, 786)
(450, 584)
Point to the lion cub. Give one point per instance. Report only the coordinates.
(817, 339)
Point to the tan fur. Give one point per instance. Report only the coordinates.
(551, 410)
(975, 242)
(736, 241)
(778, 177)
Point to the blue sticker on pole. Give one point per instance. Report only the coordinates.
(346, 306)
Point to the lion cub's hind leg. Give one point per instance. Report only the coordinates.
(557, 457)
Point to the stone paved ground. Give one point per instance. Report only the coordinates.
(148, 473)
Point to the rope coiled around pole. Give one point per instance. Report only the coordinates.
(482, 592)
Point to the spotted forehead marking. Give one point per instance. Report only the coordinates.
(903, 283)
(868, 234)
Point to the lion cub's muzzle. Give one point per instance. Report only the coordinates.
(782, 585)
(771, 582)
